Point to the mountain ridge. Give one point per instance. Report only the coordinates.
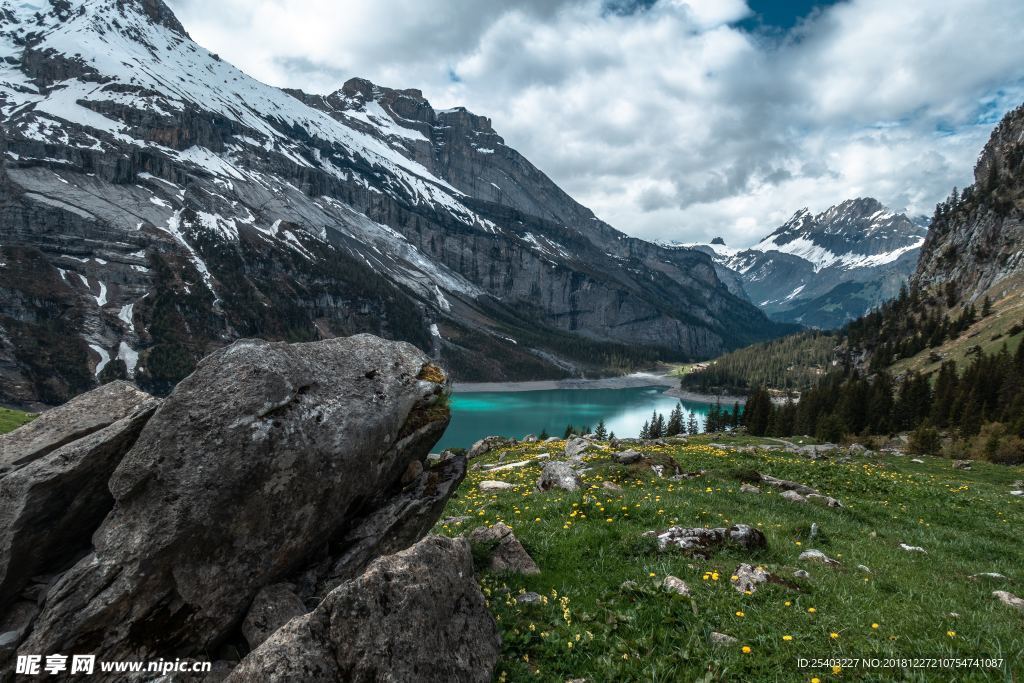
(156, 203)
(824, 269)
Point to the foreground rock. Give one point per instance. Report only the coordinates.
(507, 554)
(558, 475)
(575, 447)
(488, 444)
(417, 615)
(53, 480)
(749, 578)
(1009, 599)
(273, 607)
(705, 542)
(675, 585)
(258, 460)
(786, 485)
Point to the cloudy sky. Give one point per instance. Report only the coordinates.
(675, 119)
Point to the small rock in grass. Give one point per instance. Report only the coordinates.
(611, 486)
(530, 438)
(793, 497)
(558, 475)
(912, 548)
(919, 461)
(551, 439)
(575, 447)
(864, 568)
(814, 530)
(827, 501)
(529, 598)
(801, 574)
(676, 585)
(749, 488)
(627, 457)
(704, 542)
(786, 485)
(961, 464)
(508, 554)
(749, 577)
(495, 486)
(1017, 493)
(629, 585)
(722, 639)
(1009, 599)
(813, 555)
(988, 575)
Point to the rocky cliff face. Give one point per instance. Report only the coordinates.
(976, 244)
(826, 269)
(274, 476)
(156, 203)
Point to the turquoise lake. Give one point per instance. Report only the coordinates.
(517, 413)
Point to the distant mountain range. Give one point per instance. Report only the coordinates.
(157, 203)
(822, 270)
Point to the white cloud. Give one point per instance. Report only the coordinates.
(672, 123)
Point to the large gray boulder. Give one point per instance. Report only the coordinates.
(273, 607)
(257, 464)
(704, 542)
(417, 615)
(53, 480)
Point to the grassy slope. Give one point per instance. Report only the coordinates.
(12, 419)
(989, 333)
(588, 543)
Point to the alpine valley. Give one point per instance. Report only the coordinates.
(157, 203)
(826, 269)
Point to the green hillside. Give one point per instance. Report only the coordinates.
(603, 615)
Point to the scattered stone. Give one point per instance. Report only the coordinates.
(1017, 493)
(722, 639)
(689, 475)
(488, 485)
(793, 497)
(988, 575)
(801, 574)
(528, 598)
(961, 464)
(786, 485)
(826, 501)
(676, 585)
(749, 577)
(814, 530)
(552, 439)
(455, 520)
(488, 444)
(273, 607)
(629, 585)
(749, 488)
(858, 449)
(912, 548)
(627, 457)
(508, 554)
(813, 555)
(919, 461)
(575, 447)
(420, 606)
(611, 486)
(1009, 599)
(508, 466)
(864, 568)
(558, 475)
(530, 438)
(702, 541)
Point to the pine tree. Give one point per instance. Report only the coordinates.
(691, 423)
(569, 431)
(645, 431)
(543, 435)
(600, 431)
(986, 307)
(675, 421)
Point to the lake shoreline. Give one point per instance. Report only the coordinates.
(635, 380)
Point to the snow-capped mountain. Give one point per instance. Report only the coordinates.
(824, 269)
(157, 202)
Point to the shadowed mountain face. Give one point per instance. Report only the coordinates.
(156, 203)
(826, 269)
